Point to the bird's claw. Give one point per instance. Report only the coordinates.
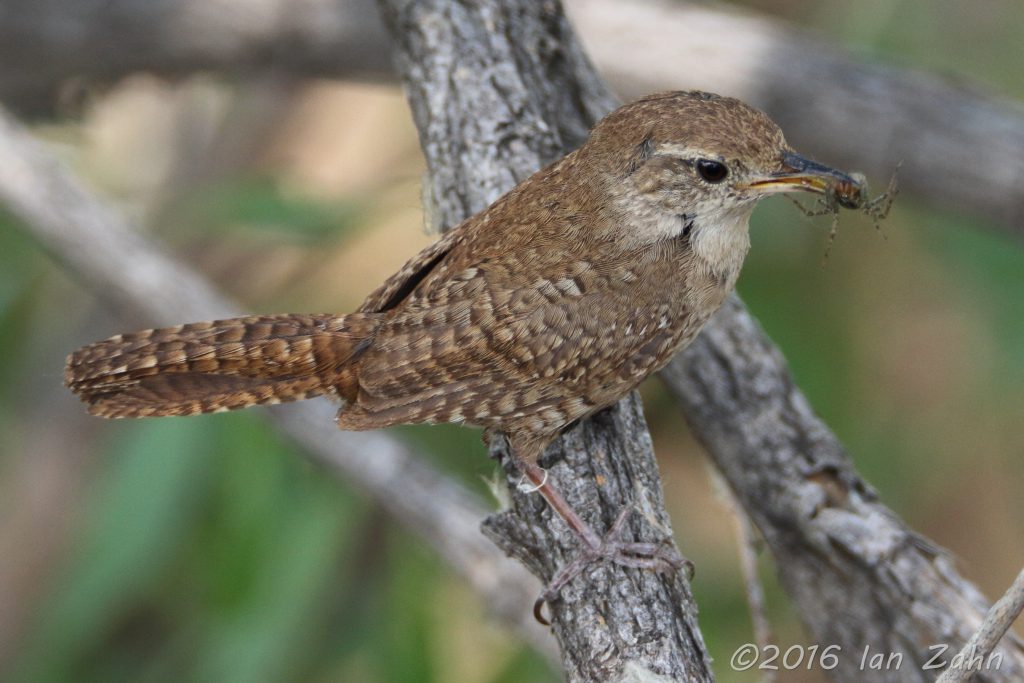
(654, 556)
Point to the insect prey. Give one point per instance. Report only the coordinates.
(853, 195)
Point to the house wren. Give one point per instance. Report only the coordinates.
(546, 307)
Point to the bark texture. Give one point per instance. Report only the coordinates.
(497, 90)
(837, 549)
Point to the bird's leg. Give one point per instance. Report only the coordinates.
(610, 547)
(538, 476)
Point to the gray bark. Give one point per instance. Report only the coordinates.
(497, 90)
(837, 549)
(975, 654)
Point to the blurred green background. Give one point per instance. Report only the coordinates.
(206, 549)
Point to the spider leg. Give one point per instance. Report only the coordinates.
(832, 234)
(878, 208)
(824, 209)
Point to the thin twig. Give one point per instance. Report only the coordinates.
(974, 656)
(747, 544)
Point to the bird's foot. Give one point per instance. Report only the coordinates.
(657, 557)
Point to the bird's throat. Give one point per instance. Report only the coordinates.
(722, 244)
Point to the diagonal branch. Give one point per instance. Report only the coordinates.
(837, 549)
(96, 243)
(976, 654)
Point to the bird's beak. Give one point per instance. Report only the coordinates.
(799, 173)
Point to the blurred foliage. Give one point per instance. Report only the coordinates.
(245, 207)
(206, 549)
(21, 267)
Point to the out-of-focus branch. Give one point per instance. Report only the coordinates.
(498, 88)
(961, 148)
(97, 244)
(48, 45)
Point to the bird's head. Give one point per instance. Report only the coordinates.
(695, 164)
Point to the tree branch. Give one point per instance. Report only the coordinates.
(837, 549)
(96, 243)
(45, 45)
(962, 148)
(497, 90)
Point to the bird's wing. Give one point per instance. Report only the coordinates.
(400, 285)
(492, 340)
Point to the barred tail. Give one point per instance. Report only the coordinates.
(219, 365)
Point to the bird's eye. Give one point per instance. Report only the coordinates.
(711, 170)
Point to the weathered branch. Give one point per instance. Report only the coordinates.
(96, 243)
(499, 88)
(48, 45)
(962, 148)
(837, 549)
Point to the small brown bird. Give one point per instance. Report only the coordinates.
(546, 307)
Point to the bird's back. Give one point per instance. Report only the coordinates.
(524, 324)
